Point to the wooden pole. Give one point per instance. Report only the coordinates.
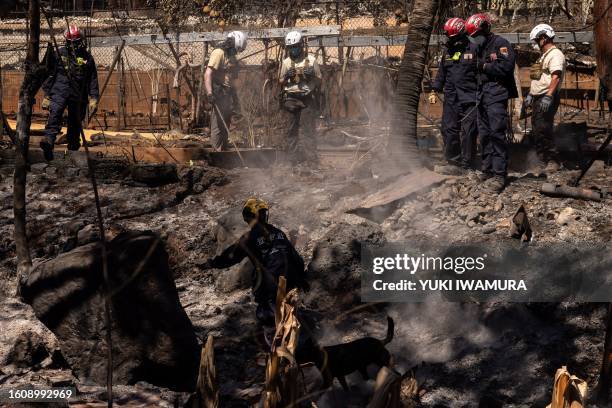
(168, 104)
(107, 79)
(193, 99)
(340, 49)
(198, 113)
(267, 77)
(597, 90)
(178, 107)
(120, 100)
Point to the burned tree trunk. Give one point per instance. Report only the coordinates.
(602, 14)
(408, 91)
(605, 375)
(35, 73)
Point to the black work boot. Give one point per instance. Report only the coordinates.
(47, 149)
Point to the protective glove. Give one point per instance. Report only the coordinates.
(46, 102)
(93, 104)
(545, 103)
(290, 74)
(309, 72)
(432, 97)
(528, 101)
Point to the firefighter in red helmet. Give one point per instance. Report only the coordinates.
(494, 61)
(457, 79)
(72, 84)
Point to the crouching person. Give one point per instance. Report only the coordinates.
(271, 254)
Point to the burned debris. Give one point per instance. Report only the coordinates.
(189, 194)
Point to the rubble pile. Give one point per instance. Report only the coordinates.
(504, 353)
(462, 209)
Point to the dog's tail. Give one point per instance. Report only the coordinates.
(390, 330)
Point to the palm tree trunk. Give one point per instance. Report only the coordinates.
(408, 91)
(602, 13)
(32, 81)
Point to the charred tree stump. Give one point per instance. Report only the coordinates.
(605, 374)
(35, 73)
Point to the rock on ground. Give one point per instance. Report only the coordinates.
(24, 341)
(335, 266)
(196, 179)
(153, 340)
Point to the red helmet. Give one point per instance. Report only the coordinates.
(73, 33)
(454, 26)
(478, 22)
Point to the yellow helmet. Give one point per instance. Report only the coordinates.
(255, 208)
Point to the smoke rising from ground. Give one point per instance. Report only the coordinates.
(436, 331)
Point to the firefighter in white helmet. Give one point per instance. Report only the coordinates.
(300, 78)
(219, 81)
(543, 98)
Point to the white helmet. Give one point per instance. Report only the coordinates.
(541, 29)
(293, 38)
(240, 40)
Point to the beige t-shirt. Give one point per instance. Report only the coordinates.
(302, 86)
(552, 60)
(226, 68)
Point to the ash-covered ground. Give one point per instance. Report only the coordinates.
(461, 353)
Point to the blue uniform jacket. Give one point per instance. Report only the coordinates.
(497, 76)
(83, 71)
(457, 74)
(269, 249)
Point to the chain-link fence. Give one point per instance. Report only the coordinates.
(147, 89)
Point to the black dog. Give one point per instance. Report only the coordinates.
(342, 359)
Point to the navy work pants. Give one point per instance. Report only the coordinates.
(451, 126)
(58, 105)
(492, 126)
(469, 133)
